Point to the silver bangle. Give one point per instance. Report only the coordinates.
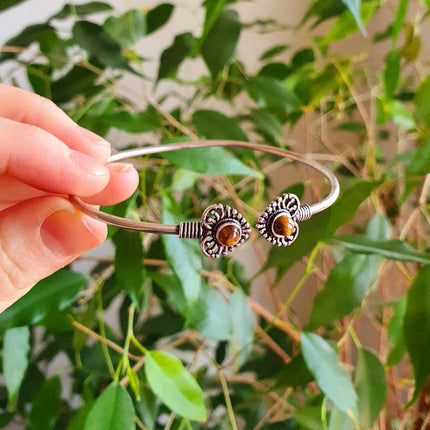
(222, 228)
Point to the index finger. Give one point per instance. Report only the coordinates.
(28, 108)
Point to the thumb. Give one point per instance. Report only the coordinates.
(38, 237)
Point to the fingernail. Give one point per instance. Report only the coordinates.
(120, 167)
(88, 164)
(68, 232)
(94, 138)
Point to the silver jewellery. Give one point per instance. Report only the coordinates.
(222, 228)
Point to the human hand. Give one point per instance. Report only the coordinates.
(44, 157)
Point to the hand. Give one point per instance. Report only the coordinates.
(44, 157)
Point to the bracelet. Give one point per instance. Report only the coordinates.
(222, 228)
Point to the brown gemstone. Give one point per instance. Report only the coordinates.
(228, 235)
(282, 226)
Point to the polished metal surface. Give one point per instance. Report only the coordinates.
(175, 229)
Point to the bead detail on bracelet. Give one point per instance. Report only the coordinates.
(228, 234)
(283, 224)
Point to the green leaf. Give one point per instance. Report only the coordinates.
(5, 4)
(401, 115)
(212, 124)
(213, 9)
(273, 51)
(340, 421)
(39, 76)
(54, 48)
(210, 161)
(348, 283)
(390, 249)
(50, 295)
(174, 385)
(352, 126)
(354, 7)
(323, 10)
(378, 228)
(128, 28)
(78, 420)
(30, 34)
(326, 82)
(220, 43)
(399, 20)
(113, 410)
(45, 407)
(391, 73)
(158, 16)
(82, 9)
(422, 107)
(330, 375)
(129, 271)
(371, 387)
(268, 125)
(308, 417)
(173, 56)
(270, 94)
(16, 346)
(419, 164)
(294, 374)
(344, 290)
(183, 255)
(76, 82)
(243, 323)
(303, 57)
(346, 24)
(417, 328)
(133, 122)
(147, 407)
(396, 338)
(98, 44)
(216, 322)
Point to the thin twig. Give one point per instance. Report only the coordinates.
(140, 424)
(227, 398)
(102, 339)
(273, 345)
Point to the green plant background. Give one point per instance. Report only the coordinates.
(330, 333)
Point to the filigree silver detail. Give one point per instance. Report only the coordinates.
(289, 205)
(214, 218)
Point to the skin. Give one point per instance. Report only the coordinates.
(44, 157)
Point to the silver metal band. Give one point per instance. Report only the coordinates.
(223, 228)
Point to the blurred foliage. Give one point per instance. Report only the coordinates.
(188, 346)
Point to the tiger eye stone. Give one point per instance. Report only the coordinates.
(228, 235)
(282, 226)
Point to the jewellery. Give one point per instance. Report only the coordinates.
(222, 228)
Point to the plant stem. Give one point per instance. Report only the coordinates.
(140, 424)
(137, 344)
(170, 422)
(102, 339)
(227, 399)
(102, 331)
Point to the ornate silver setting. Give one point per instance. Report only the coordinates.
(218, 223)
(288, 207)
(216, 217)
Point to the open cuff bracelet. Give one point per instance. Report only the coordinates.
(222, 228)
